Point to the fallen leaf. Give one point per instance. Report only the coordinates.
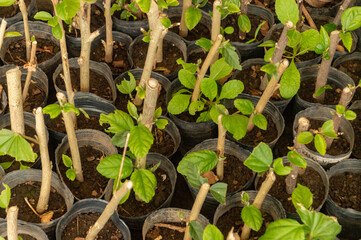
(79, 238)
(318, 3)
(212, 178)
(119, 63)
(264, 29)
(46, 217)
(94, 193)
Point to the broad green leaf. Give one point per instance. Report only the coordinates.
(140, 141)
(53, 110)
(290, 81)
(351, 19)
(161, 123)
(236, 124)
(187, 78)
(211, 232)
(260, 121)
(330, 27)
(190, 67)
(294, 38)
(268, 55)
(158, 112)
(219, 191)
(328, 129)
(162, 4)
(6, 165)
(42, 15)
(5, 196)
(220, 69)
(296, 159)
(209, 88)
(172, 2)
(346, 40)
(231, 89)
(119, 121)
(204, 43)
(204, 116)
(68, 107)
(287, 10)
(280, 169)
(70, 173)
(132, 109)
(144, 5)
(350, 115)
(115, 7)
(16, 146)
(244, 106)
(23, 167)
(302, 195)
(127, 86)
(179, 103)
(229, 30)
(230, 55)
(216, 110)
(6, 3)
(166, 22)
(196, 230)
(67, 161)
(340, 109)
(305, 137)
(324, 38)
(12, 34)
(260, 159)
(309, 39)
(110, 165)
(144, 183)
(244, 23)
(320, 144)
(252, 216)
(284, 229)
(67, 9)
(140, 92)
(193, 176)
(205, 160)
(196, 106)
(192, 17)
(322, 90)
(119, 139)
(57, 32)
(269, 68)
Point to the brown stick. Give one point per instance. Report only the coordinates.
(13, 78)
(109, 35)
(12, 223)
(2, 31)
(300, 20)
(183, 30)
(159, 55)
(73, 142)
(308, 18)
(45, 162)
(343, 7)
(196, 209)
(122, 162)
(322, 74)
(24, 12)
(205, 66)
(268, 92)
(220, 148)
(31, 69)
(216, 25)
(244, 11)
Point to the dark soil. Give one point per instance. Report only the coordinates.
(353, 69)
(16, 53)
(120, 62)
(8, 12)
(160, 232)
(79, 227)
(94, 183)
(310, 179)
(339, 146)
(57, 124)
(232, 21)
(193, 57)
(196, 33)
(345, 190)
(163, 142)
(134, 208)
(170, 55)
(25, 237)
(232, 218)
(31, 191)
(98, 83)
(356, 124)
(97, 20)
(307, 88)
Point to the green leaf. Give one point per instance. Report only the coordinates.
(119, 139)
(140, 141)
(196, 106)
(244, 106)
(231, 56)
(53, 110)
(219, 191)
(53, 21)
(42, 15)
(346, 40)
(179, 103)
(209, 88)
(244, 23)
(330, 27)
(268, 55)
(236, 124)
(204, 116)
(290, 81)
(158, 112)
(125, 198)
(67, 9)
(166, 22)
(127, 87)
(146, 38)
(351, 19)
(57, 32)
(328, 130)
(70, 173)
(309, 40)
(320, 144)
(132, 109)
(220, 69)
(68, 107)
(294, 38)
(161, 123)
(204, 43)
(16, 146)
(302, 195)
(191, 67)
(296, 159)
(115, 7)
(229, 30)
(6, 165)
(140, 91)
(67, 161)
(144, 5)
(252, 216)
(260, 121)
(6, 3)
(260, 159)
(193, 176)
(268, 43)
(84, 113)
(231, 89)
(287, 10)
(340, 109)
(322, 90)
(324, 39)
(23, 167)
(5, 196)
(305, 137)
(110, 165)
(216, 110)
(205, 160)
(162, 4)
(12, 34)
(350, 115)
(196, 230)
(172, 2)
(192, 17)
(280, 169)
(144, 183)
(284, 229)
(211, 232)
(187, 78)
(269, 68)
(119, 121)
(245, 198)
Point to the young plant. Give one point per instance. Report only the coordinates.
(129, 10)
(191, 15)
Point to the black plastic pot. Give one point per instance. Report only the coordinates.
(39, 30)
(324, 114)
(324, 11)
(91, 206)
(97, 67)
(340, 79)
(173, 132)
(87, 137)
(356, 106)
(350, 219)
(16, 178)
(132, 28)
(210, 204)
(4, 102)
(27, 229)
(170, 215)
(136, 223)
(31, 9)
(172, 38)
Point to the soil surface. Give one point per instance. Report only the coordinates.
(345, 190)
(79, 227)
(8, 12)
(163, 142)
(98, 83)
(94, 183)
(57, 124)
(353, 69)
(31, 191)
(356, 124)
(194, 56)
(196, 33)
(120, 62)
(174, 232)
(25, 237)
(134, 208)
(170, 55)
(307, 88)
(16, 53)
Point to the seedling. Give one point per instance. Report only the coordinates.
(191, 15)
(129, 11)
